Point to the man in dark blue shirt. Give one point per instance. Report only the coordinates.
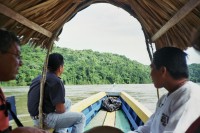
(55, 105)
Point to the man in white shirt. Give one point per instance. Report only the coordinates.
(177, 109)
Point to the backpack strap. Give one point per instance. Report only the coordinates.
(7, 107)
(2, 107)
(17, 121)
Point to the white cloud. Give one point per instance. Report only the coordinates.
(193, 56)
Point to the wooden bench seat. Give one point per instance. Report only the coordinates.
(115, 119)
(110, 119)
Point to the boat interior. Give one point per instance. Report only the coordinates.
(131, 114)
(166, 23)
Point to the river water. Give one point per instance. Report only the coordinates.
(144, 93)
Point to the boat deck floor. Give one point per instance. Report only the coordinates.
(115, 119)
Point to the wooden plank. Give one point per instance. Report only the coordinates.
(122, 122)
(131, 118)
(139, 109)
(78, 107)
(98, 120)
(21, 19)
(185, 10)
(110, 119)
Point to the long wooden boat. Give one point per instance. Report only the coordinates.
(131, 115)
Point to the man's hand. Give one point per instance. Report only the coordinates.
(60, 108)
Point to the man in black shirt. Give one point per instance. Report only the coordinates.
(54, 103)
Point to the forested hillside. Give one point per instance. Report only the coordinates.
(194, 70)
(88, 67)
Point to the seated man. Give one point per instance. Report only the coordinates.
(54, 103)
(177, 109)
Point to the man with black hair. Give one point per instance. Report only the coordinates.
(169, 70)
(55, 106)
(10, 61)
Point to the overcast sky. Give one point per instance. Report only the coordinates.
(106, 28)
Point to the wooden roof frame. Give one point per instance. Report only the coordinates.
(21, 19)
(185, 10)
(156, 30)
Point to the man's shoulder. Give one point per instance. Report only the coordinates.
(52, 79)
(192, 87)
(35, 82)
(194, 90)
(51, 76)
(36, 79)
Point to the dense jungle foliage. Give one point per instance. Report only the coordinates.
(88, 67)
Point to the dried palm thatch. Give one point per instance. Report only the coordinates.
(164, 22)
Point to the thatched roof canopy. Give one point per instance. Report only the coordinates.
(164, 22)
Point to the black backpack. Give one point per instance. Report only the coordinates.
(111, 104)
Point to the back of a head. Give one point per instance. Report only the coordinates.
(104, 129)
(55, 61)
(174, 60)
(6, 40)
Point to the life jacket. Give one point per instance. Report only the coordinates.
(4, 120)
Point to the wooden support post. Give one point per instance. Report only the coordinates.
(42, 82)
(44, 72)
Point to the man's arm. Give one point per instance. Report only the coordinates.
(146, 128)
(60, 108)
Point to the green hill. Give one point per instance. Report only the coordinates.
(194, 71)
(88, 67)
